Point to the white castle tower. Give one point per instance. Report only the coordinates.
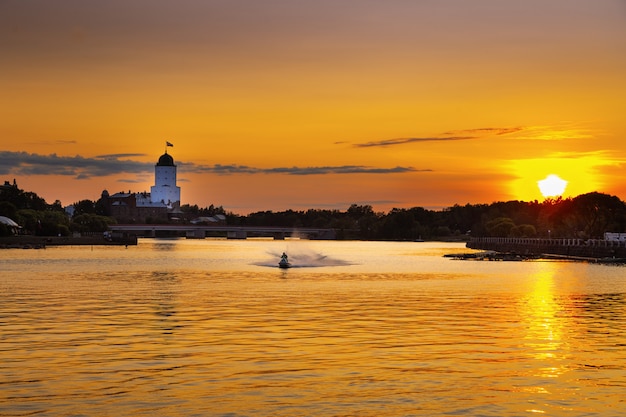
(165, 190)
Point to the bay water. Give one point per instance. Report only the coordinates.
(214, 328)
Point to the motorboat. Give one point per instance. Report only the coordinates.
(284, 261)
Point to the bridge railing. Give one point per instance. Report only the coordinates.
(548, 242)
(231, 232)
(592, 248)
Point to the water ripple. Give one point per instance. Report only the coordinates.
(261, 343)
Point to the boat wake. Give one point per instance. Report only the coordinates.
(303, 258)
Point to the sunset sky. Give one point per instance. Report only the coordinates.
(294, 104)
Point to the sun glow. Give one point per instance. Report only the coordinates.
(582, 171)
(552, 186)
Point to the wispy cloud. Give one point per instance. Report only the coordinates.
(466, 134)
(342, 169)
(341, 205)
(59, 142)
(24, 163)
(119, 155)
(403, 141)
(565, 131)
(486, 131)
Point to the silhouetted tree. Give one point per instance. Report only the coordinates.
(590, 215)
(8, 209)
(84, 207)
(90, 222)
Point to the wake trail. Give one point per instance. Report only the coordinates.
(304, 258)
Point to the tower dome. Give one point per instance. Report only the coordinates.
(166, 161)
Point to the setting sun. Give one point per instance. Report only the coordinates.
(552, 186)
(543, 177)
(456, 109)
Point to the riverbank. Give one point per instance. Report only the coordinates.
(41, 242)
(591, 250)
(583, 248)
(491, 255)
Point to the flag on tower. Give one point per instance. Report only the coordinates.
(168, 144)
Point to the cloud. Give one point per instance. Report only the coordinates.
(403, 141)
(341, 205)
(119, 155)
(342, 169)
(59, 142)
(565, 131)
(346, 169)
(498, 131)
(466, 134)
(24, 163)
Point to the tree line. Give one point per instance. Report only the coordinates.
(36, 217)
(585, 216)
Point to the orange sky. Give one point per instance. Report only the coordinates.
(297, 104)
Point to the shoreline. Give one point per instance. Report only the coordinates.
(492, 255)
(41, 242)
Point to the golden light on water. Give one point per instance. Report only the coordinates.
(543, 325)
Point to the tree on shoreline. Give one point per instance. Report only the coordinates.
(585, 216)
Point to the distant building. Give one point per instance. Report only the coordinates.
(165, 189)
(162, 203)
(7, 185)
(13, 227)
(615, 237)
(217, 219)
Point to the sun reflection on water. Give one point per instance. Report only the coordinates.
(199, 328)
(543, 341)
(544, 327)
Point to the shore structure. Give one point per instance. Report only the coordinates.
(583, 249)
(41, 242)
(165, 191)
(160, 204)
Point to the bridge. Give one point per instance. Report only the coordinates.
(231, 232)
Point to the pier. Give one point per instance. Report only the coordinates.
(229, 232)
(571, 248)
